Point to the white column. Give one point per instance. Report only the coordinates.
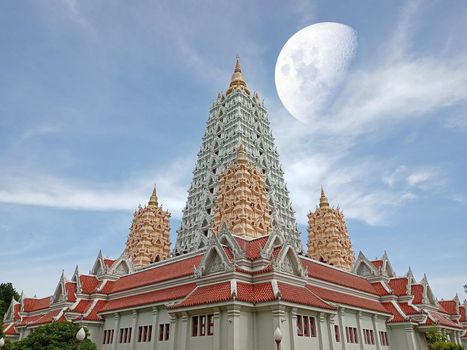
(173, 333)
(375, 331)
(116, 329)
(234, 328)
(293, 327)
(134, 322)
(410, 336)
(331, 335)
(319, 324)
(360, 330)
(341, 313)
(155, 328)
(216, 338)
(183, 332)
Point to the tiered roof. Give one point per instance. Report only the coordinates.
(411, 301)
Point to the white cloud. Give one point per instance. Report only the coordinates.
(55, 192)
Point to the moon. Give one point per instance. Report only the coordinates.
(311, 65)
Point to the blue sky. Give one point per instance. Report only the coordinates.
(99, 100)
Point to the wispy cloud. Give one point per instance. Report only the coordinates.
(57, 192)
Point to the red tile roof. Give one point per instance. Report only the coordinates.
(252, 247)
(252, 293)
(108, 262)
(150, 297)
(333, 275)
(229, 253)
(34, 304)
(255, 272)
(450, 306)
(463, 313)
(380, 289)
(440, 319)
(255, 293)
(397, 316)
(408, 309)
(16, 309)
(82, 306)
(70, 291)
(417, 292)
(399, 285)
(88, 283)
(301, 295)
(210, 294)
(377, 263)
(347, 299)
(9, 329)
(166, 272)
(48, 317)
(106, 287)
(93, 315)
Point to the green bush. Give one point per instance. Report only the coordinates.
(54, 336)
(445, 346)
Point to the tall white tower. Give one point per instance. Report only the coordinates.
(236, 117)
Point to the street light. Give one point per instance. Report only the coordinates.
(2, 342)
(278, 337)
(80, 336)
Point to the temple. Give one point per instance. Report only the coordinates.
(238, 274)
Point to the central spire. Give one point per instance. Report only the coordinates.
(237, 118)
(237, 81)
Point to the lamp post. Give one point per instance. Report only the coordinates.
(2, 342)
(80, 336)
(278, 338)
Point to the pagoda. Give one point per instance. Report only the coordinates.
(236, 117)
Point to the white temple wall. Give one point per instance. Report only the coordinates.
(421, 341)
(265, 331)
(95, 332)
(401, 337)
(246, 337)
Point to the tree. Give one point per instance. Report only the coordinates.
(2, 335)
(7, 292)
(437, 341)
(54, 336)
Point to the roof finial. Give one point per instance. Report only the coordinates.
(323, 201)
(238, 69)
(241, 155)
(153, 199)
(237, 81)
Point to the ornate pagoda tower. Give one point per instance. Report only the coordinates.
(149, 238)
(328, 238)
(242, 202)
(236, 117)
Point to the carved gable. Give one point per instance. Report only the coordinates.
(289, 262)
(215, 260)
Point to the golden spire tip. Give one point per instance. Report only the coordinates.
(153, 199)
(323, 201)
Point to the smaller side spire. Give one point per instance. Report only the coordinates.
(323, 200)
(153, 200)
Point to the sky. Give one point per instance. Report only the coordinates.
(100, 100)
